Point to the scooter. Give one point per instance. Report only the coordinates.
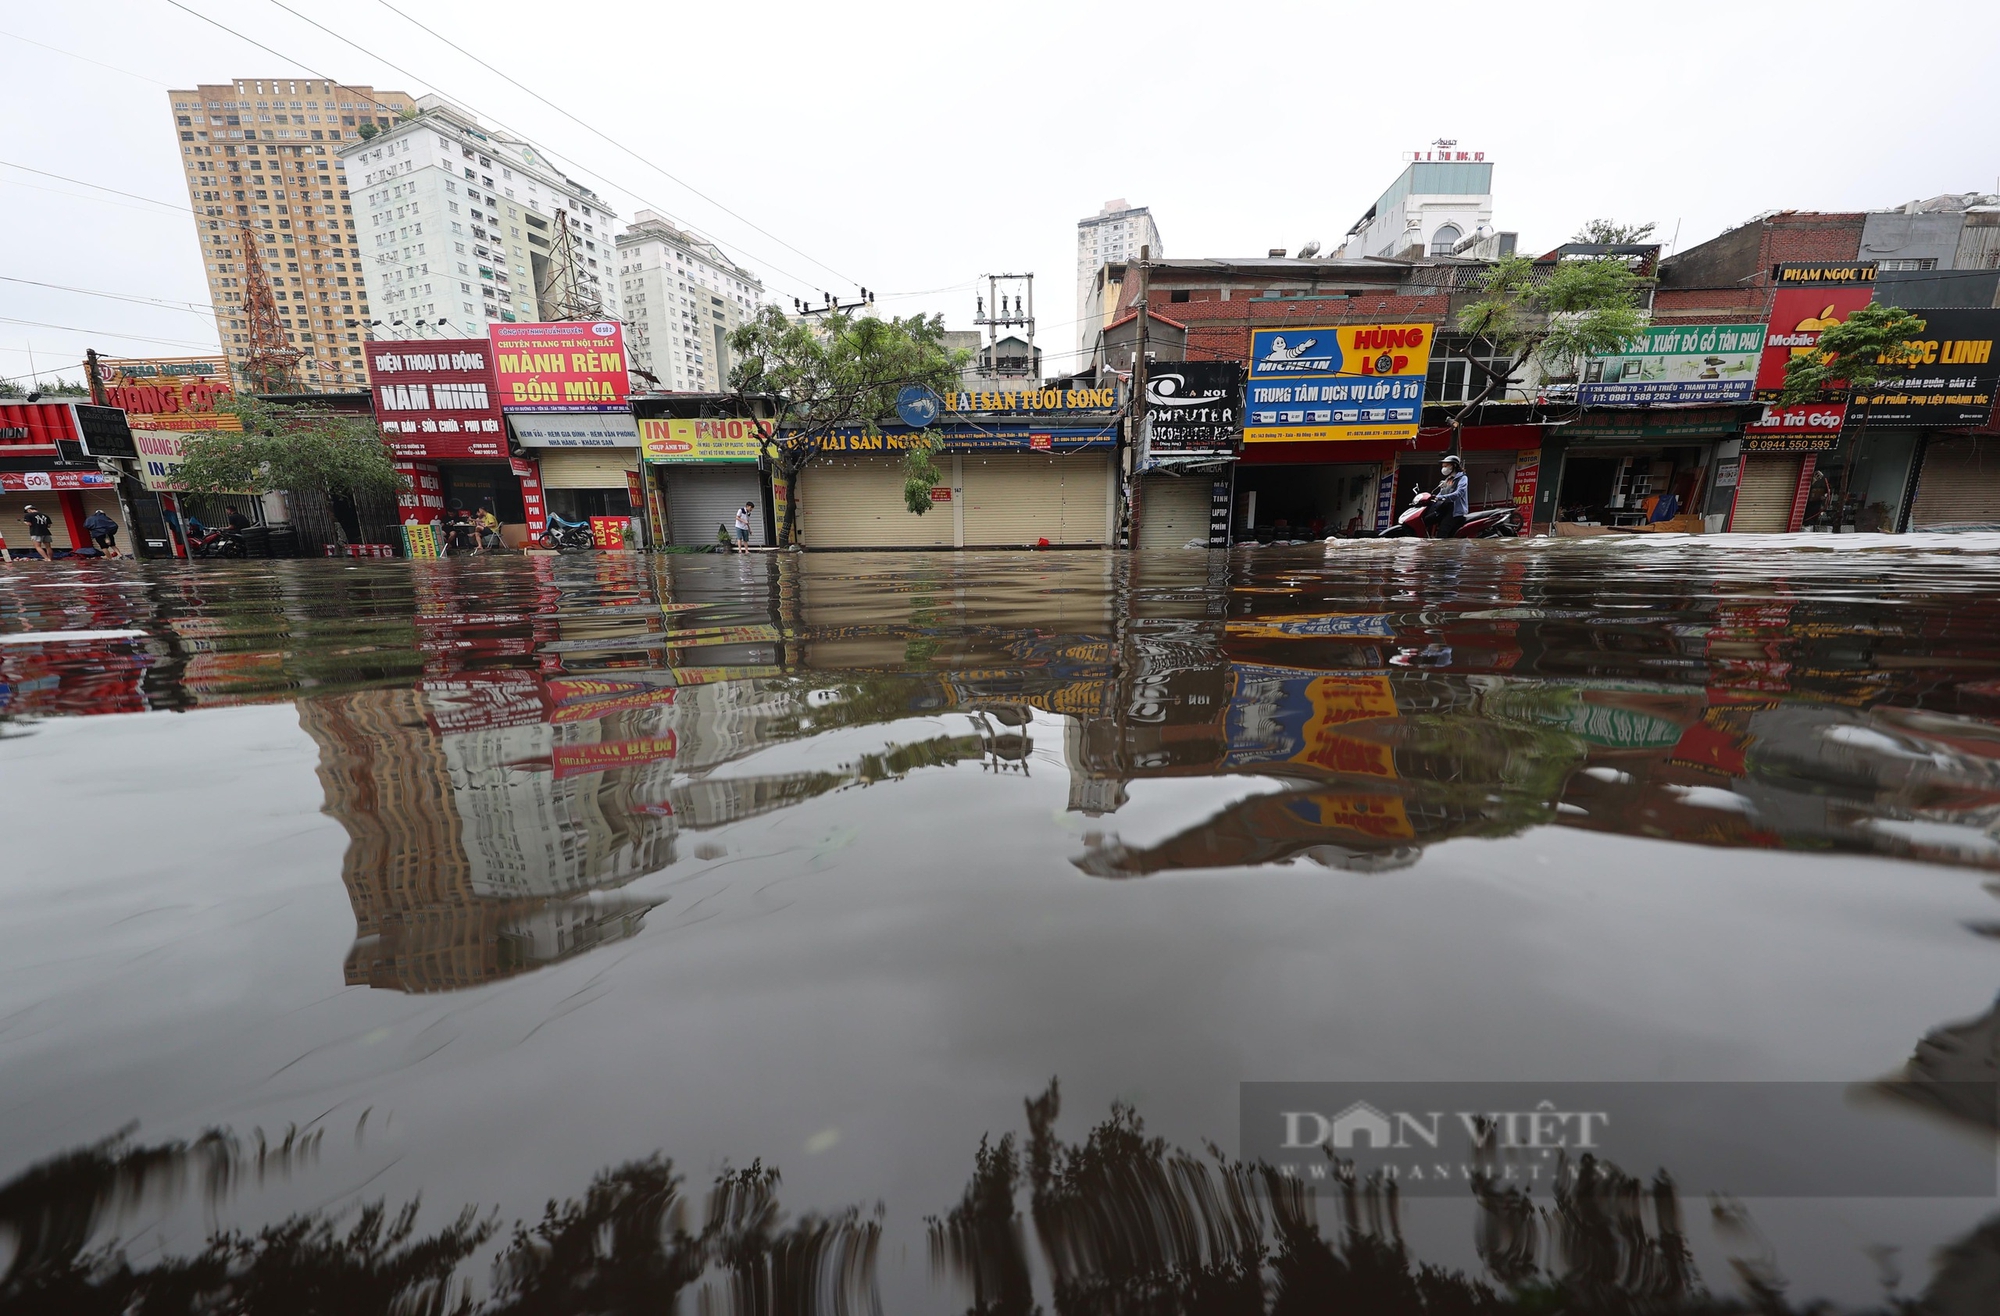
(1493, 523)
(567, 536)
(220, 542)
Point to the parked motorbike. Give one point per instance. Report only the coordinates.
(219, 542)
(567, 536)
(1493, 523)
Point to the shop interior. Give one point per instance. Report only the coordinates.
(475, 484)
(1303, 502)
(582, 504)
(1624, 489)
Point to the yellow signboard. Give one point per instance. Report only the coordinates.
(171, 393)
(728, 439)
(1311, 383)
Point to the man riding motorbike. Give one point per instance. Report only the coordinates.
(1452, 501)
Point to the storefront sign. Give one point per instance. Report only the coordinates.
(160, 456)
(561, 367)
(1649, 427)
(420, 541)
(969, 438)
(613, 429)
(1314, 383)
(529, 472)
(1798, 317)
(1032, 400)
(54, 481)
(1948, 375)
(574, 760)
(1820, 273)
(422, 501)
(174, 393)
(1193, 409)
(1807, 427)
(728, 439)
(435, 398)
(1677, 364)
(1527, 475)
(609, 531)
(26, 426)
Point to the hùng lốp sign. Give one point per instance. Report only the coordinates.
(1352, 381)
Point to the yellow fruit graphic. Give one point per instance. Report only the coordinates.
(1813, 324)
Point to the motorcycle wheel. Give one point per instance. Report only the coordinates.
(547, 540)
(231, 549)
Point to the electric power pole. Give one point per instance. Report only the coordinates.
(1134, 501)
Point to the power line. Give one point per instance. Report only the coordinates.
(170, 205)
(106, 333)
(192, 308)
(85, 58)
(612, 140)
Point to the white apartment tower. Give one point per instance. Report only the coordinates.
(682, 300)
(457, 225)
(1114, 233)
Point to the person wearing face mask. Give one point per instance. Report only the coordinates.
(1452, 501)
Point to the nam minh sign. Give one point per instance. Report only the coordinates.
(561, 367)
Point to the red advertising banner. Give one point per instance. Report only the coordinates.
(435, 397)
(1527, 475)
(29, 425)
(34, 481)
(171, 393)
(561, 367)
(609, 531)
(574, 760)
(423, 502)
(1807, 427)
(529, 473)
(1798, 316)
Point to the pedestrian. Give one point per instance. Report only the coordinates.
(489, 529)
(103, 532)
(743, 527)
(41, 531)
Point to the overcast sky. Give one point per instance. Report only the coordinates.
(915, 147)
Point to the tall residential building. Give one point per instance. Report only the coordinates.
(457, 225)
(1431, 207)
(682, 299)
(1114, 233)
(263, 154)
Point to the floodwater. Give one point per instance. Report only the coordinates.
(851, 932)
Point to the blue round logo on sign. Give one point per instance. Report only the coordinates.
(917, 405)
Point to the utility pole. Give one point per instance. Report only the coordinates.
(830, 304)
(1134, 500)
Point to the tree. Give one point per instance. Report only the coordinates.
(305, 449)
(1855, 358)
(1557, 316)
(1611, 233)
(840, 373)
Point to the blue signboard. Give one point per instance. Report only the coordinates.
(917, 406)
(1353, 381)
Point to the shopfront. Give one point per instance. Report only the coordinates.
(1612, 469)
(51, 458)
(589, 461)
(1005, 483)
(701, 472)
(1186, 453)
(1958, 482)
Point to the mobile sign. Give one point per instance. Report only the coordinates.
(1798, 317)
(1353, 381)
(1677, 364)
(561, 367)
(434, 397)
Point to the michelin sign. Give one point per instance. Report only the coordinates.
(1352, 381)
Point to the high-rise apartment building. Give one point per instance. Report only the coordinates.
(262, 155)
(1114, 233)
(457, 225)
(682, 300)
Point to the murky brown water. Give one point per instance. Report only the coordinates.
(854, 911)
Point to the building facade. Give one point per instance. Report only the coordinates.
(263, 155)
(1113, 234)
(457, 227)
(683, 298)
(1431, 208)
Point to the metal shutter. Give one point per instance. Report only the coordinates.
(858, 503)
(1174, 510)
(700, 498)
(1017, 499)
(1764, 497)
(591, 468)
(1959, 484)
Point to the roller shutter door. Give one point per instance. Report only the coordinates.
(700, 498)
(858, 503)
(1174, 510)
(1959, 484)
(592, 468)
(1764, 497)
(1017, 499)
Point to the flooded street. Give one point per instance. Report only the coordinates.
(895, 902)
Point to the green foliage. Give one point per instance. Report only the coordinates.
(367, 131)
(1556, 316)
(299, 448)
(1862, 353)
(1609, 232)
(920, 474)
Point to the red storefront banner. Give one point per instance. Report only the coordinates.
(561, 367)
(25, 426)
(529, 473)
(1798, 317)
(423, 501)
(436, 397)
(1527, 475)
(574, 760)
(53, 481)
(609, 531)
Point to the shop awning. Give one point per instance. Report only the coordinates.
(54, 481)
(576, 429)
